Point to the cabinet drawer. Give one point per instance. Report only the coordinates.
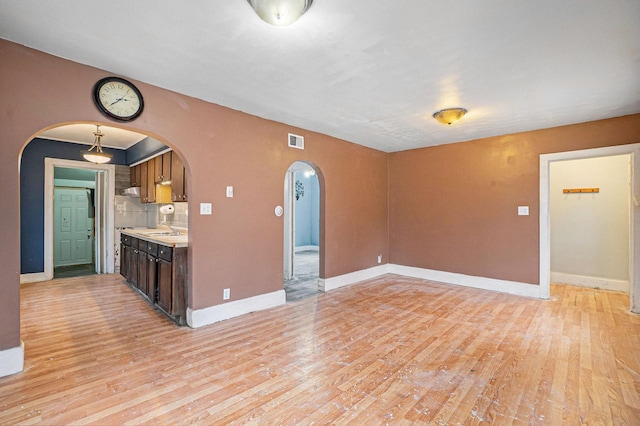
(164, 252)
(134, 242)
(151, 248)
(125, 239)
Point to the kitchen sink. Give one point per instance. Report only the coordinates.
(157, 234)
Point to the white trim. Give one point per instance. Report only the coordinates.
(109, 210)
(511, 287)
(326, 284)
(144, 160)
(307, 248)
(590, 282)
(212, 314)
(32, 278)
(634, 226)
(12, 360)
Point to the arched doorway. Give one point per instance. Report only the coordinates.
(302, 233)
(58, 148)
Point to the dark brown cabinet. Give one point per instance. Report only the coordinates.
(164, 285)
(151, 184)
(178, 181)
(135, 177)
(144, 188)
(162, 167)
(158, 272)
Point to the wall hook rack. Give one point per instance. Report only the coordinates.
(580, 190)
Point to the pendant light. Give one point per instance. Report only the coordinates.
(449, 115)
(280, 12)
(97, 156)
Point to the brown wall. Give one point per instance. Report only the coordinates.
(454, 207)
(240, 245)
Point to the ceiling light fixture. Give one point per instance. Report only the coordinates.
(449, 115)
(280, 12)
(97, 156)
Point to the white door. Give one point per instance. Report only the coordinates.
(73, 227)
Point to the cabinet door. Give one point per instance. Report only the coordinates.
(144, 187)
(134, 267)
(134, 176)
(151, 184)
(163, 282)
(143, 271)
(129, 270)
(166, 166)
(151, 277)
(124, 261)
(157, 166)
(177, 179)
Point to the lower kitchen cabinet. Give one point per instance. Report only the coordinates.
(158, 272)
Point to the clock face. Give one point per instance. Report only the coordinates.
(118, 98)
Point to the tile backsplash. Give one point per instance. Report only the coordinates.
(130, 212)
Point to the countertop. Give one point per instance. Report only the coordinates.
(160, 235)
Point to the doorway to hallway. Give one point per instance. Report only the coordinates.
(634, 233)
(302, 232)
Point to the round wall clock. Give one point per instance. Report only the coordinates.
(118, 98)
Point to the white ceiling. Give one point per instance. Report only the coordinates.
(84, 134)
(369, 72)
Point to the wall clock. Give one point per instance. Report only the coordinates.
(118, 98)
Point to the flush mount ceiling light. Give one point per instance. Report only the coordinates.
(280, 12)
(449, 115)
(96, 156)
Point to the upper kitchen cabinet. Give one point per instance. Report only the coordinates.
(161, 170)
(162, 167)
(178, 180)
(151, 184)
(136, 178)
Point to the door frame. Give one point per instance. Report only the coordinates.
(634, 215)
(105, 212)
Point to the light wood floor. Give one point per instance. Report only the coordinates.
(388, 351)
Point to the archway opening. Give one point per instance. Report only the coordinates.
(54, 154)
(302, 231)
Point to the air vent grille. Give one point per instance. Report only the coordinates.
(296, 141)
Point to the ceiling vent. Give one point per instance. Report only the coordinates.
(296, 141)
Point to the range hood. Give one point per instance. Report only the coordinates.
(133, 191)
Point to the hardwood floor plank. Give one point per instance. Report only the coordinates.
(391, 350)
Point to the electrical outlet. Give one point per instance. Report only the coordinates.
(226, 294)
(229, 191)
(523, 210)
(379, 258)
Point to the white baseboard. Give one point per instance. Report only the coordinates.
(12, 360)
(511, 287)
(307, 248)
(351, 278)
(212, 314)
(590, 282)
(32, 278)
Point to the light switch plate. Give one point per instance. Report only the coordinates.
(523, 210)
(229, 191)
(205, 208)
